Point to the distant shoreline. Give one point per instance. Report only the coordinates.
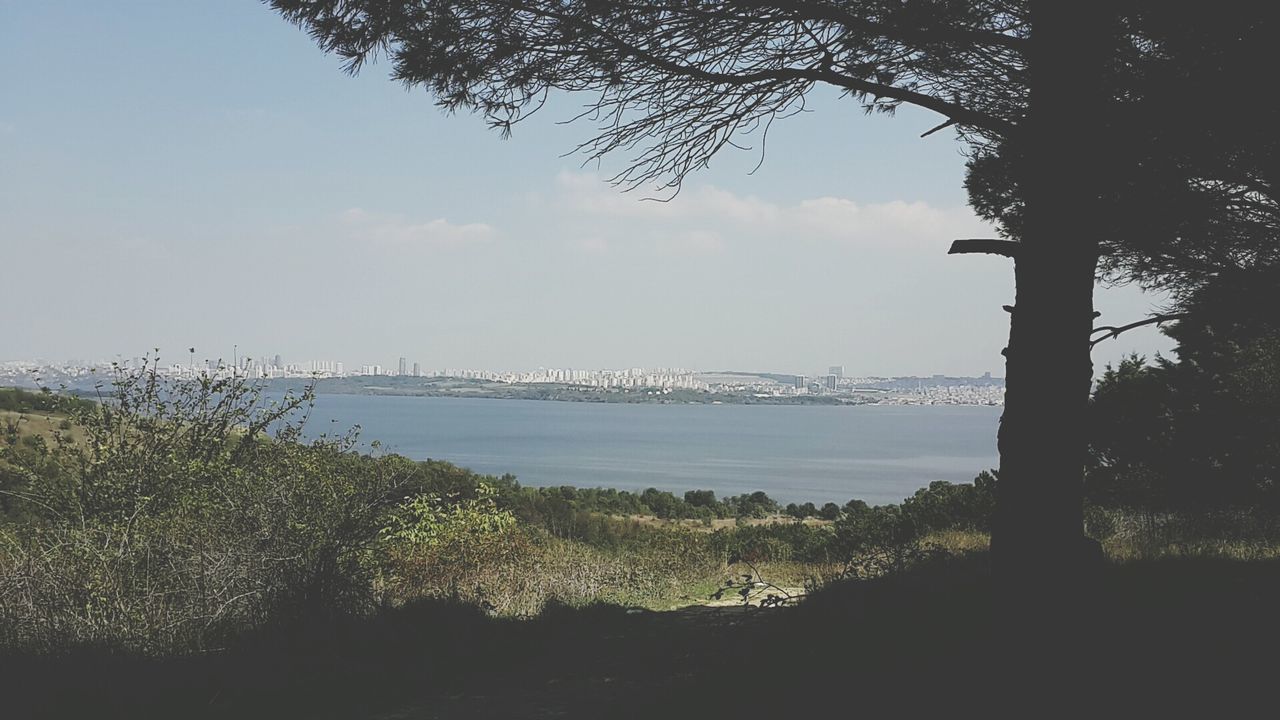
(582, 394)
(559, 393)
(450, 387)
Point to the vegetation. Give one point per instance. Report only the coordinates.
(1069, 128)
(17, 400)
(194, 520)
(1200, 433)
(181, 515)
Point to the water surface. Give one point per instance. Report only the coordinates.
(878, 453)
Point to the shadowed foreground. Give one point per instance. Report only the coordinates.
(1182, 635)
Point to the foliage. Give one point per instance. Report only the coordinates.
(875, 541)
(752, 587)
(190, 511)
(44, 401)
(563, 509)
(1200, 432)
(676, 82)
(1187, 193)
(801, 511)
(429, 542)
(179, 515)
(946, 506)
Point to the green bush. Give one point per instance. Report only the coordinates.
(778, 542)
(189, 511)
(44, 401)
(947, 506)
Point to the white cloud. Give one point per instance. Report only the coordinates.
(396, 230)
(709, 219)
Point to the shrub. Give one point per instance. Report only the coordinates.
(189, 511)
(946, 506)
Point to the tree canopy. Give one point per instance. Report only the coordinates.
(1090, 147)
(674, 82)
(1188, 180)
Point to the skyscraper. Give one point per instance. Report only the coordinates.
(837, 370)
(404, 367)
(833, 382)
(417, 369)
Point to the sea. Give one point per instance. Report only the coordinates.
(876, 453)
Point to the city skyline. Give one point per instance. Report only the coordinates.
(328, 367)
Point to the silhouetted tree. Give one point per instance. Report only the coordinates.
(675, 82)
(1202, 432)
(1191, 189)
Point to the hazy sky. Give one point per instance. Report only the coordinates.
(198, 173)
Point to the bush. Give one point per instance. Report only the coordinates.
(189, 511)
(946, 506)
(778, 542)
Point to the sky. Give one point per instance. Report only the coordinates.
(198, 173)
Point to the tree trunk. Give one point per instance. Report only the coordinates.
(1038, 530)
(1037, 538)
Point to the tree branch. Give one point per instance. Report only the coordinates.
(987, 246)
(808, 11)
(943, 126)
(957, 114)
(1113, 331)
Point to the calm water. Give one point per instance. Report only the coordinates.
(877, 453)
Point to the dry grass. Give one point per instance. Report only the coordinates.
(1129, 549)
(42, 424)
(533, 568)
(959, 541)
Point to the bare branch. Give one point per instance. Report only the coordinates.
(943, 126)
(986, 246)
(1113, 331)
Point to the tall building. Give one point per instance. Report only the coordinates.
(837, 370)
(417, 369)
(800, 382)
(404, 367)
(833, 382)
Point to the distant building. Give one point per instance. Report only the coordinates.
(801, 382)
(417, 369)
(837, 370)
(833, 382)
(404, 367)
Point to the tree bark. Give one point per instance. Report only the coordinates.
(1037, 538)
